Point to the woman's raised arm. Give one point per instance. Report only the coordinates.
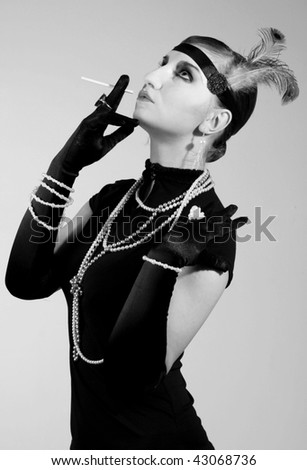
(30, 272)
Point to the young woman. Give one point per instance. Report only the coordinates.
(144, 261)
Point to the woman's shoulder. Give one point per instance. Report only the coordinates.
(110, 193)
(213, 202)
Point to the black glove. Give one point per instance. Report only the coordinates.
(190, 240)
(88, 144)
(30, 272)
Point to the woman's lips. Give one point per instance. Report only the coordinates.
(143, 95)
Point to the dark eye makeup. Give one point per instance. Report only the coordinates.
(183, 69)
(184, 73)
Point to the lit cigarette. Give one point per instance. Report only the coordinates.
(103, 83)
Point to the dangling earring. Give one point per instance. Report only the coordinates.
(198, 162)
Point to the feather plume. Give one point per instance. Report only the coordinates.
(272, 43)
(263, 66)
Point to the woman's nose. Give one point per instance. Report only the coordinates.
(154, 79)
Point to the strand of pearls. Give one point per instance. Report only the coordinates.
(201, 180)
(68, 200)
(39, 221)
(162, 265)
(202, 184)
(208, 185)
(59, 195)
(50, 204)
(85, 264)
(59, 183)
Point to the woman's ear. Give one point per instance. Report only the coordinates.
(216, 121)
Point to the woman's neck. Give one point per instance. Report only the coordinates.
(176, 152)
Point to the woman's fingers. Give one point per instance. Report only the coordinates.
(120, 134)
(230, 210)
(116, 119)
(102, 117)
(102, 102)
(115, 96)
(106, 106)
(239, 222)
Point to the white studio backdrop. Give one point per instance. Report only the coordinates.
(246, 368)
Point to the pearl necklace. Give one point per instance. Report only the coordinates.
(202, 184)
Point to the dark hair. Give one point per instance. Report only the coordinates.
(244, 74)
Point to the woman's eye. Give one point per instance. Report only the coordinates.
(185, 74)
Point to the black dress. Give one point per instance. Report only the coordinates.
(101, 417)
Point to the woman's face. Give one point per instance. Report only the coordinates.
(175, 98)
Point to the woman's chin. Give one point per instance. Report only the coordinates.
(146, 122)
(138, 114)
(140, 117)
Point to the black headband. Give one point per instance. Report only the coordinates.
(216, 81)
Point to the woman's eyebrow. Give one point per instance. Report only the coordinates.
(182, 62)
(188, 64)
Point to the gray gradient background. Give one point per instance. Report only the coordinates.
(246, 368)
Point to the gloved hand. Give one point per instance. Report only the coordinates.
(30, 273)
(189, 242)
(88, 143)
